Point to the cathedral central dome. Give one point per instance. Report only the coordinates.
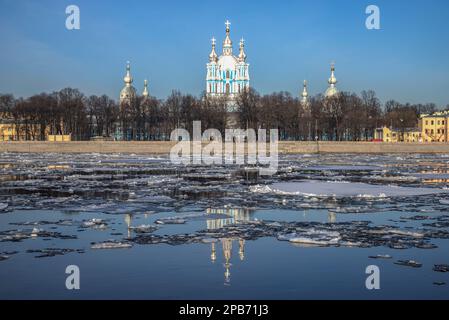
(227, 62)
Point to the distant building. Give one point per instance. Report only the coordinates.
(128, 94)
(431, 128)
(128, 100)
(227, 75)
(434, 127)
(386, 134)
(13, 130)
(305, 98)
(8, 130)
(332, 89)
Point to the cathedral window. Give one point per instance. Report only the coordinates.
(227, 88)
(227, 74)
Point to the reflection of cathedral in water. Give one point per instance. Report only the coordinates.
(235, 216)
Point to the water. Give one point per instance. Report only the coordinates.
(196, 253)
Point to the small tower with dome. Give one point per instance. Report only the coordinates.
(128, 94)
(332, 89)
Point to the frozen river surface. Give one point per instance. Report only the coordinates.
(139, 227)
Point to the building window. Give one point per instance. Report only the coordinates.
(432, 123)
(227, 74)
(442, 122)
(427, 122)
(227, 87)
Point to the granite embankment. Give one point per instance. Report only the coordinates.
(164, 147)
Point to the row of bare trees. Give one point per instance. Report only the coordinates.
(346, 116)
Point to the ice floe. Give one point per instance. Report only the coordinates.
(144, 228)
(111, 245)
(51, 252)
(409, 263)
(342, 189)
(441, 268)
(381, 256)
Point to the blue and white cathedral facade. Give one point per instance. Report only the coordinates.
(227, 74)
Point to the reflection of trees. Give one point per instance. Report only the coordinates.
(233, 216)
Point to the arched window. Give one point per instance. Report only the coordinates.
(227, 87)
(227, 74)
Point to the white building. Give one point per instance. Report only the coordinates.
(332, 89)
(128, 95)
(227, 75)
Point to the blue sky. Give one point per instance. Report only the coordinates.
(168, 42)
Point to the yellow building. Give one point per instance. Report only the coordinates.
(7, 131)
(386, 134)
(431, 128)
(59, 138)
(434, 127)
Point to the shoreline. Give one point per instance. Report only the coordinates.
(163, 147)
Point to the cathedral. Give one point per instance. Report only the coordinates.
(128, 100)
(227, 74)
(128, 95)
(331, 90)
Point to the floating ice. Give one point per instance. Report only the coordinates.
(171, 221)
(51, 252)
(316, 237)
(441, 268)
(111, 245)
(36, 232)
(315, 242)
(409, 263)
(209, 240)
(343, 168)
(144, 228)
(342, 189)
(381, 256)
(95, 223)
(406, 233)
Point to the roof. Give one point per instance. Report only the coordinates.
(438, 114)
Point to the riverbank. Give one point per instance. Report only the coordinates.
(163, 147)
